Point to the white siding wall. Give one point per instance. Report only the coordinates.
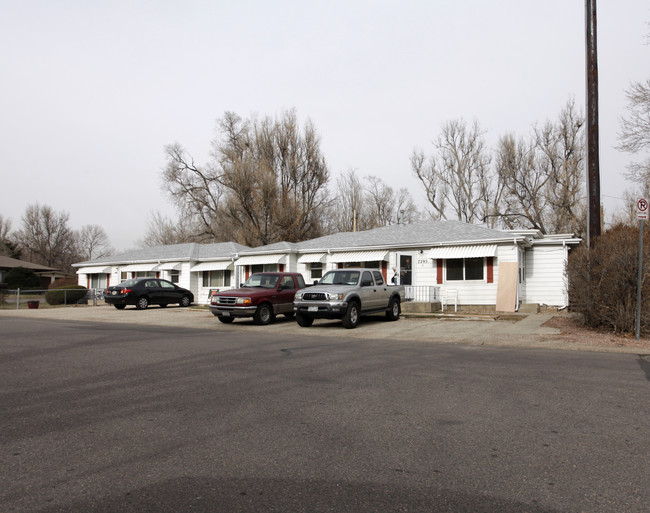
(546, 282)
(425, 271)
(479, 292)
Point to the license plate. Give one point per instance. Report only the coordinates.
(114, 293)
(312, 309)
(225, 314)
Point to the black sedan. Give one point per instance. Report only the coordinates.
(143, 292)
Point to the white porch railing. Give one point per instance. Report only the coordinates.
(422, 293)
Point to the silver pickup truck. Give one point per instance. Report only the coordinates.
(347, 294)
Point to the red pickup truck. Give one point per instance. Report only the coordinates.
(262, 297)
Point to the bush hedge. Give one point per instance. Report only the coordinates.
(603, 280)
(71, 295)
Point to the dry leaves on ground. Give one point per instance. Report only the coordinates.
(573, 331)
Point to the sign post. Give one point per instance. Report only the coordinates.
(641, 215)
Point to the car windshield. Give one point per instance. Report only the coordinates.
(341, 277)
(265, 281)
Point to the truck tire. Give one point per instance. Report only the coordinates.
(304, 320)
(263, 314)
(392, 314)
(352, 316)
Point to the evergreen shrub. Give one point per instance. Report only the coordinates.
(22, 278)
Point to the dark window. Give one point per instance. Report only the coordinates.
(473, 268)
(216, 278)
(459, 269)
(454, 269)
(316, 270)
(379, 279)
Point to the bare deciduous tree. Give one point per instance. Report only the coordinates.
(456, 176)
(541, 180)
(196, 190)
(406, 211)
(562, 148)
(381, 201)
(162, 231)
(46, 237)
(8, 245)
(634, 134)
(266, 181)
(92, 242)
(364, 206)
(523, 202)
(349, 211)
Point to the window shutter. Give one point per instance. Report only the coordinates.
(490, 269)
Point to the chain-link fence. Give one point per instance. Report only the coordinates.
(43, 298)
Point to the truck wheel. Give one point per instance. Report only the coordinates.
(263, 314)
(304, 320)
(226, 320)
(392, 314)
(351, 317)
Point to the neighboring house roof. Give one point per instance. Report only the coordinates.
(10, 263)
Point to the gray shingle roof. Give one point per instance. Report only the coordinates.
(429, 233)
(173, 252)
(277, 247)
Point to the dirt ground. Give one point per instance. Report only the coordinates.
(574, 332)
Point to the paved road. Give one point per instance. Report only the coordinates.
(101, 417)
(528, 332)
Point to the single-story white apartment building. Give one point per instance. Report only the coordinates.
(447, 261)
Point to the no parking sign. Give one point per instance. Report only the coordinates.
(642, 209)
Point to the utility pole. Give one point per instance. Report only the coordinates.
(593, 159)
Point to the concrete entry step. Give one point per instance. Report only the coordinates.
(530, 308)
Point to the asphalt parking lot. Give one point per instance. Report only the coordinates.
(528, 331)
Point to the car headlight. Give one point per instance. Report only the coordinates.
(335, 297)
(243, 301)
(298, 296)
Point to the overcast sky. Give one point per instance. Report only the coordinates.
(92, 91)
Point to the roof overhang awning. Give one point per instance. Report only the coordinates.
(212, 266)
(311, 258)
(94, 270)
(359, 256)
(136, 268)
(449, 252)
(262, 259)
(170, 266)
